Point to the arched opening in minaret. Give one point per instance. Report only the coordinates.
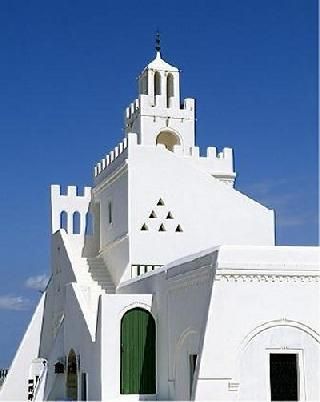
(170, 89)
(143, 89)
(157, 85)
(168, 139)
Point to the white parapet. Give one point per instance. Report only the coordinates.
(65, 206)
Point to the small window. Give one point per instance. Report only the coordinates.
(160, 203)
(179, 229)
(162, 228)
(64, 221)
(157, 83)
(170, 89)
(169, 215)
(76, 223)
(283, 377)
(144, 227)
(84, 392)
(109, 212)
(152, 215)
(192, 369)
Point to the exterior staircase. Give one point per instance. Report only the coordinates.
(100, 274)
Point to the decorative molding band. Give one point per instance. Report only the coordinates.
(266, 278)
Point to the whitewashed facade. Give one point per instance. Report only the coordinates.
(163, 230)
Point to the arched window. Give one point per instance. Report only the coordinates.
(168, 139)
(89, 224)
(170, 89)
(138, 352)
(72, 377)
(144, 85)
(157, 85)
(76, 223)
(64, 221)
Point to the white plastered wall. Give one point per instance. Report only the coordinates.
(208, 211)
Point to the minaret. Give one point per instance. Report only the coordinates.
(157, 115)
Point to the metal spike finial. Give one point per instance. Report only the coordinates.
(158, 46)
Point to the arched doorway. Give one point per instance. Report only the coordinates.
(72, 377)
(168, 139)
(138, 352)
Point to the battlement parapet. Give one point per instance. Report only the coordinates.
(70, 209)
(132, 108)
(211, 154)
(219, 164)
(115, 158)
(72, 191)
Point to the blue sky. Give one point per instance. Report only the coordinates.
(68, 69)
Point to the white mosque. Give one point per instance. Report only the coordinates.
(166, 282)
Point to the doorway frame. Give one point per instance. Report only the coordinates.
(300, 369)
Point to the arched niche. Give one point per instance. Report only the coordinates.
(72, 377)
(170, 89)
(168, 139)
(138, 352)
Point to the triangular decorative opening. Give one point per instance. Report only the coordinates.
(169, 216)
(179, 229)
(152, 215)
(144, 227)
(162, 228)
(160, 203)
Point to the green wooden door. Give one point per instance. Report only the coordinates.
(138, 353)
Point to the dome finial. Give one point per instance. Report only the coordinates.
(158, 46)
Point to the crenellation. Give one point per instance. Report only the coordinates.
(111, 156)
(178, 150)
(72, 191)
(68, 204)
(211, 152)
(189, 104)
(195, 152)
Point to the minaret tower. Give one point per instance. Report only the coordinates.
(158, 116)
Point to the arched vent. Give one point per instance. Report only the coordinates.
(168, 139)
(170, 89)
(64, 221)
(76, 223)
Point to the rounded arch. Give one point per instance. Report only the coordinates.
(138, 352)
(168, 138)
(157, 83)
(188, 346)
(278, 323)
(280, 336)
(72, 376)
(64, 220)
(170, 89)
(76, 222)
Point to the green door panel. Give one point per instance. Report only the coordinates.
(138, 353)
